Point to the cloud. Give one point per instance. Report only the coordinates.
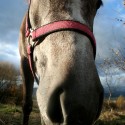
(11, 14)
(114, 80)
(8, 50)
(11, 54)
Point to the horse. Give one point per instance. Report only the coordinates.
(57, 48)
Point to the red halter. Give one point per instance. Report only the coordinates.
(45, 30)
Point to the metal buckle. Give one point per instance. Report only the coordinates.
(31, 30)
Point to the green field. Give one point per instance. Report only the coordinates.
(12, 115)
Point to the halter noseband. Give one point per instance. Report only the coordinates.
(45, 30)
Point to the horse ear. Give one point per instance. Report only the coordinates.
(99, 3)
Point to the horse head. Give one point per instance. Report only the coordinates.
(61, 57)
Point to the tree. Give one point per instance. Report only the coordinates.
(119, 58)
(8, 80)
(108, 70)
(8, 74)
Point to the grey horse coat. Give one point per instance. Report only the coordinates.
(69, 91)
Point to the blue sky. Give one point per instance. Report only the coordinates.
(108, 30)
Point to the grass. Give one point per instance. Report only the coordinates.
(9, 115)
(112, 114)
(5, 109)
(12, 115)
(112, 118)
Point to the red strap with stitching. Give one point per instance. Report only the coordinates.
(62, 25)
